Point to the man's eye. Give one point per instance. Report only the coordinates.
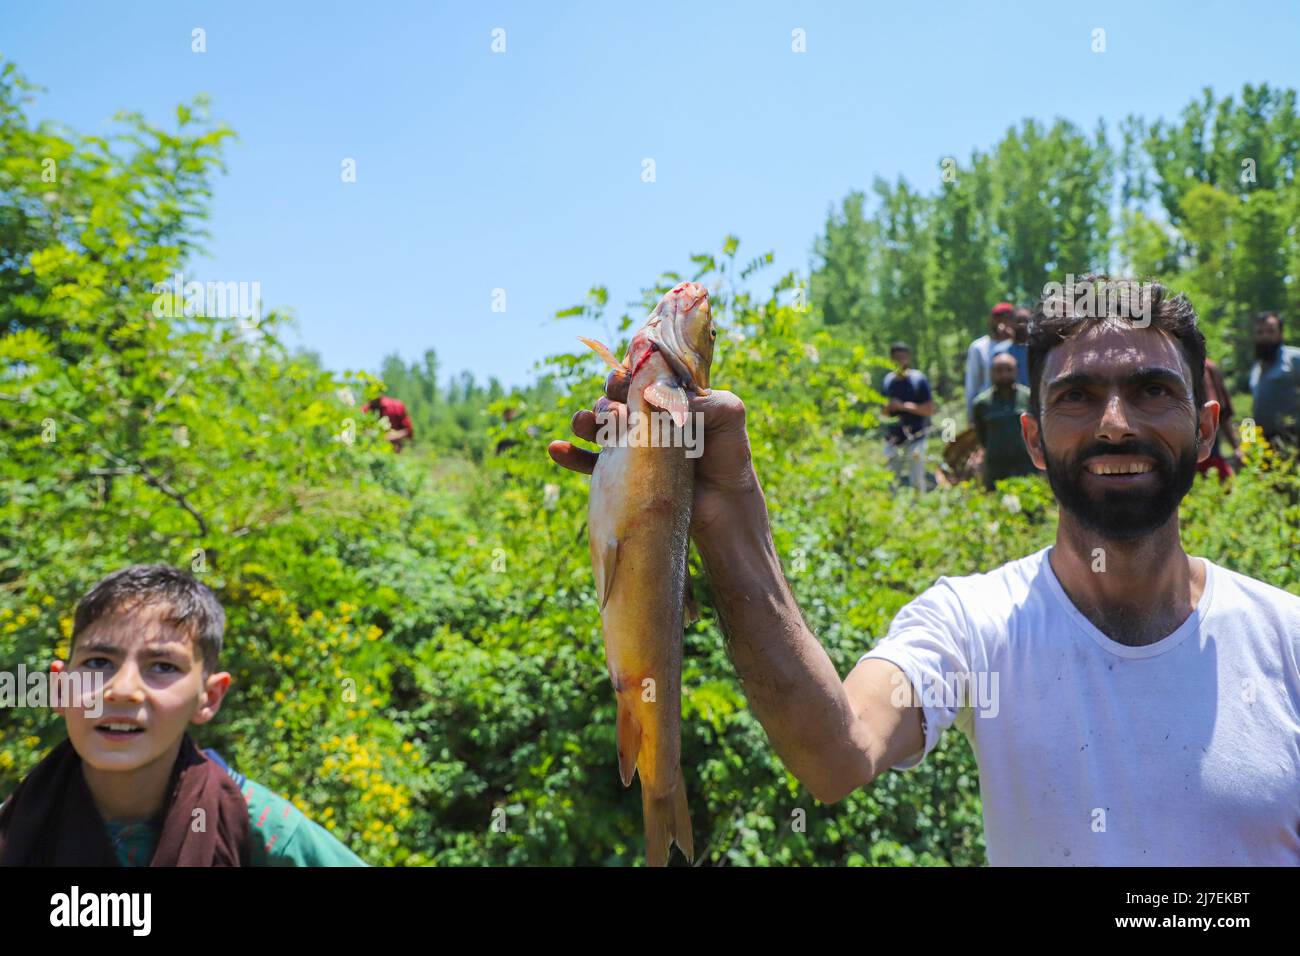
(1073, 395)
(1155, 389)
(95, 663)
(171, 668)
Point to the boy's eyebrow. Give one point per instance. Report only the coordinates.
(171, 648)
(1148, 373)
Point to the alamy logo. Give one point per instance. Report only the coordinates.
(83, 690)
(978, 691)
(654, 430)
(102, 909)
(230, 300)
(1096, 299)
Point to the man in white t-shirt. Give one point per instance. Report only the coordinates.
(1127, 704)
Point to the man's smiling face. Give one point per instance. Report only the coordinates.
(1119, 428)
(154, 687)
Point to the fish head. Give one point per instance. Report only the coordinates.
(685, 333)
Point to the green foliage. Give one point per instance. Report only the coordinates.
(1205, 203)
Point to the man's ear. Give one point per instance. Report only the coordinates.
(214, 691)
(1032, 433)
(1207, 426)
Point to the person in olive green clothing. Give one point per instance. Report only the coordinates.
(996, 416)
(129, 787)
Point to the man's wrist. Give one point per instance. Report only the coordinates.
(737, 544)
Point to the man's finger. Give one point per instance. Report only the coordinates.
(584, 424)
(573, 458)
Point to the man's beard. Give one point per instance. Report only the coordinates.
(1267, 351)
(1122, 514)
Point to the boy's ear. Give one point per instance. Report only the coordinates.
(58, 667)
(214, 691)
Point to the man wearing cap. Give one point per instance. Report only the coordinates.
(979, 355)
(1015, 344)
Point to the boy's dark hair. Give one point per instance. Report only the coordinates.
(1056, 319)
(899, 347)
(190, 605)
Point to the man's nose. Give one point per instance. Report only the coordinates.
(1114, 426)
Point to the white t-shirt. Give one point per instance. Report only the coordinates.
(1179, 753)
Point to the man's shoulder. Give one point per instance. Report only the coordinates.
(1256, 594)
(991, 596)
(1016, 573)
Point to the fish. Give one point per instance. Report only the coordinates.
(638, 531)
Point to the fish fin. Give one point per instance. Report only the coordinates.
(605, 566)
(667, 821)
(628, 737)
(671, 398)
(690, 609)
(601, 349)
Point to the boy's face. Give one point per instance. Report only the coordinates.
(153, 681)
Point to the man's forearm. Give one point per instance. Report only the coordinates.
(788, 678)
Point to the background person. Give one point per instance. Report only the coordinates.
(399, 422)
(1217, 390)
(1016, 344)
(1275, 383)
(908, 394)
(997, 424)
(980, 353)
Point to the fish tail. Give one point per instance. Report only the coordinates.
(628, 738)
(667, 821)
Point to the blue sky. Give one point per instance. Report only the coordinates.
(522, 170)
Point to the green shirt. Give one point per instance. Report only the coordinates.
(281, 835)
(997, 423)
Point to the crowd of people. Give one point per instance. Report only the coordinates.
(997, 393)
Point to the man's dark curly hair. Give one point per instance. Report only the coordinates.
(1060, 315)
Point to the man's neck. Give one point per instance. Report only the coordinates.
(1004, 391)
(135, 795)
(1135, 592)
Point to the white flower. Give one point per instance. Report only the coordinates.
(1011, 503)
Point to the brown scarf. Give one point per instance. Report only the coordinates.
(51, 819)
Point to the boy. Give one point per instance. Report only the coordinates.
(129, 787)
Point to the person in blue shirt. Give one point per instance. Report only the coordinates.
(1275, 383)
(907, 392)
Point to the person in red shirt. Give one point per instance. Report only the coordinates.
(399, 422)
(1217, 390)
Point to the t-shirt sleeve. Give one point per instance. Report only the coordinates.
(312, 845)
(922, 390)
(929, 642)
(283, 836)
